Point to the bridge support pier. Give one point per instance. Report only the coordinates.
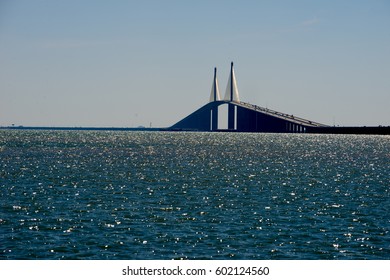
(231, 116)
(214, 118)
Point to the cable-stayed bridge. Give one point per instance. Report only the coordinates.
(245, 117)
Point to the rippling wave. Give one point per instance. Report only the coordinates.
(155, 195)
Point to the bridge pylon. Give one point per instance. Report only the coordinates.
(231, 95)
(214, 96)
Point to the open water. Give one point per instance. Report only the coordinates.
(157, 195)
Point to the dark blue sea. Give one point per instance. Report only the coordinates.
(176, 195)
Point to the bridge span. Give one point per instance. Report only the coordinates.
(244, 117)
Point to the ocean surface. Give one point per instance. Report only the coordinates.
(177, 195)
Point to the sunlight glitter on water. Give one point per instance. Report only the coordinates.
(131, 195)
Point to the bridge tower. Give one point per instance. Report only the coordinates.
(214, 96)
(231, 94)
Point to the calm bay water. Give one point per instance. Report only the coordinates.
(155, 195)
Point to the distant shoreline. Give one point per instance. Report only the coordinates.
(81, 128)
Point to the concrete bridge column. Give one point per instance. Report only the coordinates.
(214, 118)
(231, 116)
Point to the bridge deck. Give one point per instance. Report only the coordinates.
(277, 114)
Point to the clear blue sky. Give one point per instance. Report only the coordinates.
(131, 63)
